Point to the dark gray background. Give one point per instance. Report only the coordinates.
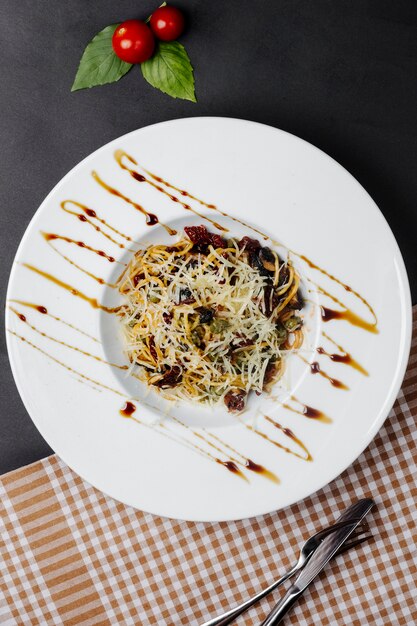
(341, 74)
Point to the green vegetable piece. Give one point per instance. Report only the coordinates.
(282, 333)
(292, 323)
(99, 64)
(197, 335)
(154, 299)
(170, 70)
(195, 339)
(218, 325)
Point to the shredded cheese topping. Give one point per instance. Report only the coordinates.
(209, 326)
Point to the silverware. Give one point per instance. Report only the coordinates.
(328, 548)
(306, 552)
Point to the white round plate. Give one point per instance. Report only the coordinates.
(285, 188)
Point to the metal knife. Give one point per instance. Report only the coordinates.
(328, 548)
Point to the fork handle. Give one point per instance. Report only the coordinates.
(232, 614)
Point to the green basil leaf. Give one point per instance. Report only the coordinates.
(99, 64)
(170, 71)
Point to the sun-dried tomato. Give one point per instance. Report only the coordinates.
(171, 378)
(251, 245)
(235, 400)
(201, 237)
(152, 348)
(240, 341)
(137, 278)
(217, 241)
(167, 317)
(197, 234)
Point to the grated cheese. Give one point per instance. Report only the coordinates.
(163, 331)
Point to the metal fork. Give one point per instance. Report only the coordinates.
(305, 553)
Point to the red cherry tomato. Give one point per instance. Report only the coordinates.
(133, 41)
(167, 23)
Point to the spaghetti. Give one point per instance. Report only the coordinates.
(208, 319)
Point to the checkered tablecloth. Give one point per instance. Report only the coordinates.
(71, 555)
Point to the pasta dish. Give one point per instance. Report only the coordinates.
(209, 319)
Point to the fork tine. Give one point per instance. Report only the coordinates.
(355, 542)
(360, 531)
(324, 532)
(364, 525)
(321, 534)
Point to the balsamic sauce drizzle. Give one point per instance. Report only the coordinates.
(79, 294)
(248, 463)
(151, 218)
(342, 284)
(119, 154)
(242, 460)
(84, 382)
(128, 409)
(81, 244)
(65, 366)
(91, 213)
(288, 433)
(50, 237)
(316, 369)
(346, 314)
(229, 465)
(232, 464)
(44, 311)
(127, 412)
(63, 343)
(341, 357)
(308, 411)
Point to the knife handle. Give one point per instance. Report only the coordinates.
(282, 607)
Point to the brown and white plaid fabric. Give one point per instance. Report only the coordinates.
(71, 555)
